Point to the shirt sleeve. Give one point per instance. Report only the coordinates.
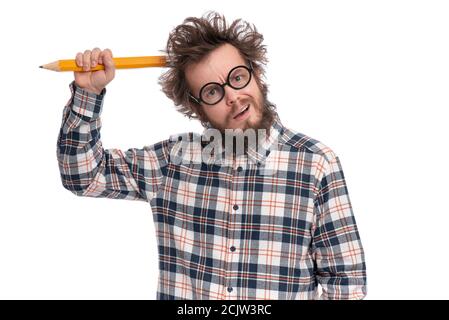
(336, 246)
(89, 170)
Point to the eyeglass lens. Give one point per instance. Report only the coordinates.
(213, 92)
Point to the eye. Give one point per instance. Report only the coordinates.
(211, 92)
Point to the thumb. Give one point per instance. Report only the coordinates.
(109, 67)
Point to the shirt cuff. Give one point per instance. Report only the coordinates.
(86, 104)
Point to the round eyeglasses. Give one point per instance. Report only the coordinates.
(213, 92)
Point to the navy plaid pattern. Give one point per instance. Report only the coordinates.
(227, 230)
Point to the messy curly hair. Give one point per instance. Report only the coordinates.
(191, 41)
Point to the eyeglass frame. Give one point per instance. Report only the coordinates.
(199, 100)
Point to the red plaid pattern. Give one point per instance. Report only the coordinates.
(272, 225)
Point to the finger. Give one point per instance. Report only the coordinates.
(107, 52)
(94, 56)
(109, 64)
(79, 59)
(86, 60)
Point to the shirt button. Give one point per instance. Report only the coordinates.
(232, 248)
(229, 289)
(239, 169)
(236, 207)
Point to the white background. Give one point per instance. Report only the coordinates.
(370, 79)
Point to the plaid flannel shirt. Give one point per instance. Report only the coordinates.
(271, 228)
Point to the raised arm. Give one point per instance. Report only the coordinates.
(86, 168)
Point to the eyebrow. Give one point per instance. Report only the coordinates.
(227, 74)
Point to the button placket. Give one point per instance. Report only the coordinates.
(232, 260)
(231, 257)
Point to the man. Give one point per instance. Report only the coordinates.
(271, 221)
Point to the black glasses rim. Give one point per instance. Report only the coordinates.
(222, 85)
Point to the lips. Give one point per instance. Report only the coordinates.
(242, 111)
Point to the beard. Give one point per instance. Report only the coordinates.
(265, 112)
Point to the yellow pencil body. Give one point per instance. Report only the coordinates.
(120, 63)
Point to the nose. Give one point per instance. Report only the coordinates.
(231, 95)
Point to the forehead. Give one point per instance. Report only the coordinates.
(214, 67)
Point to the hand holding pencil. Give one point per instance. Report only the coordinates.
(95, 69)
(94, 81)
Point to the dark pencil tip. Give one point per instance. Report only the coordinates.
(40, 67)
